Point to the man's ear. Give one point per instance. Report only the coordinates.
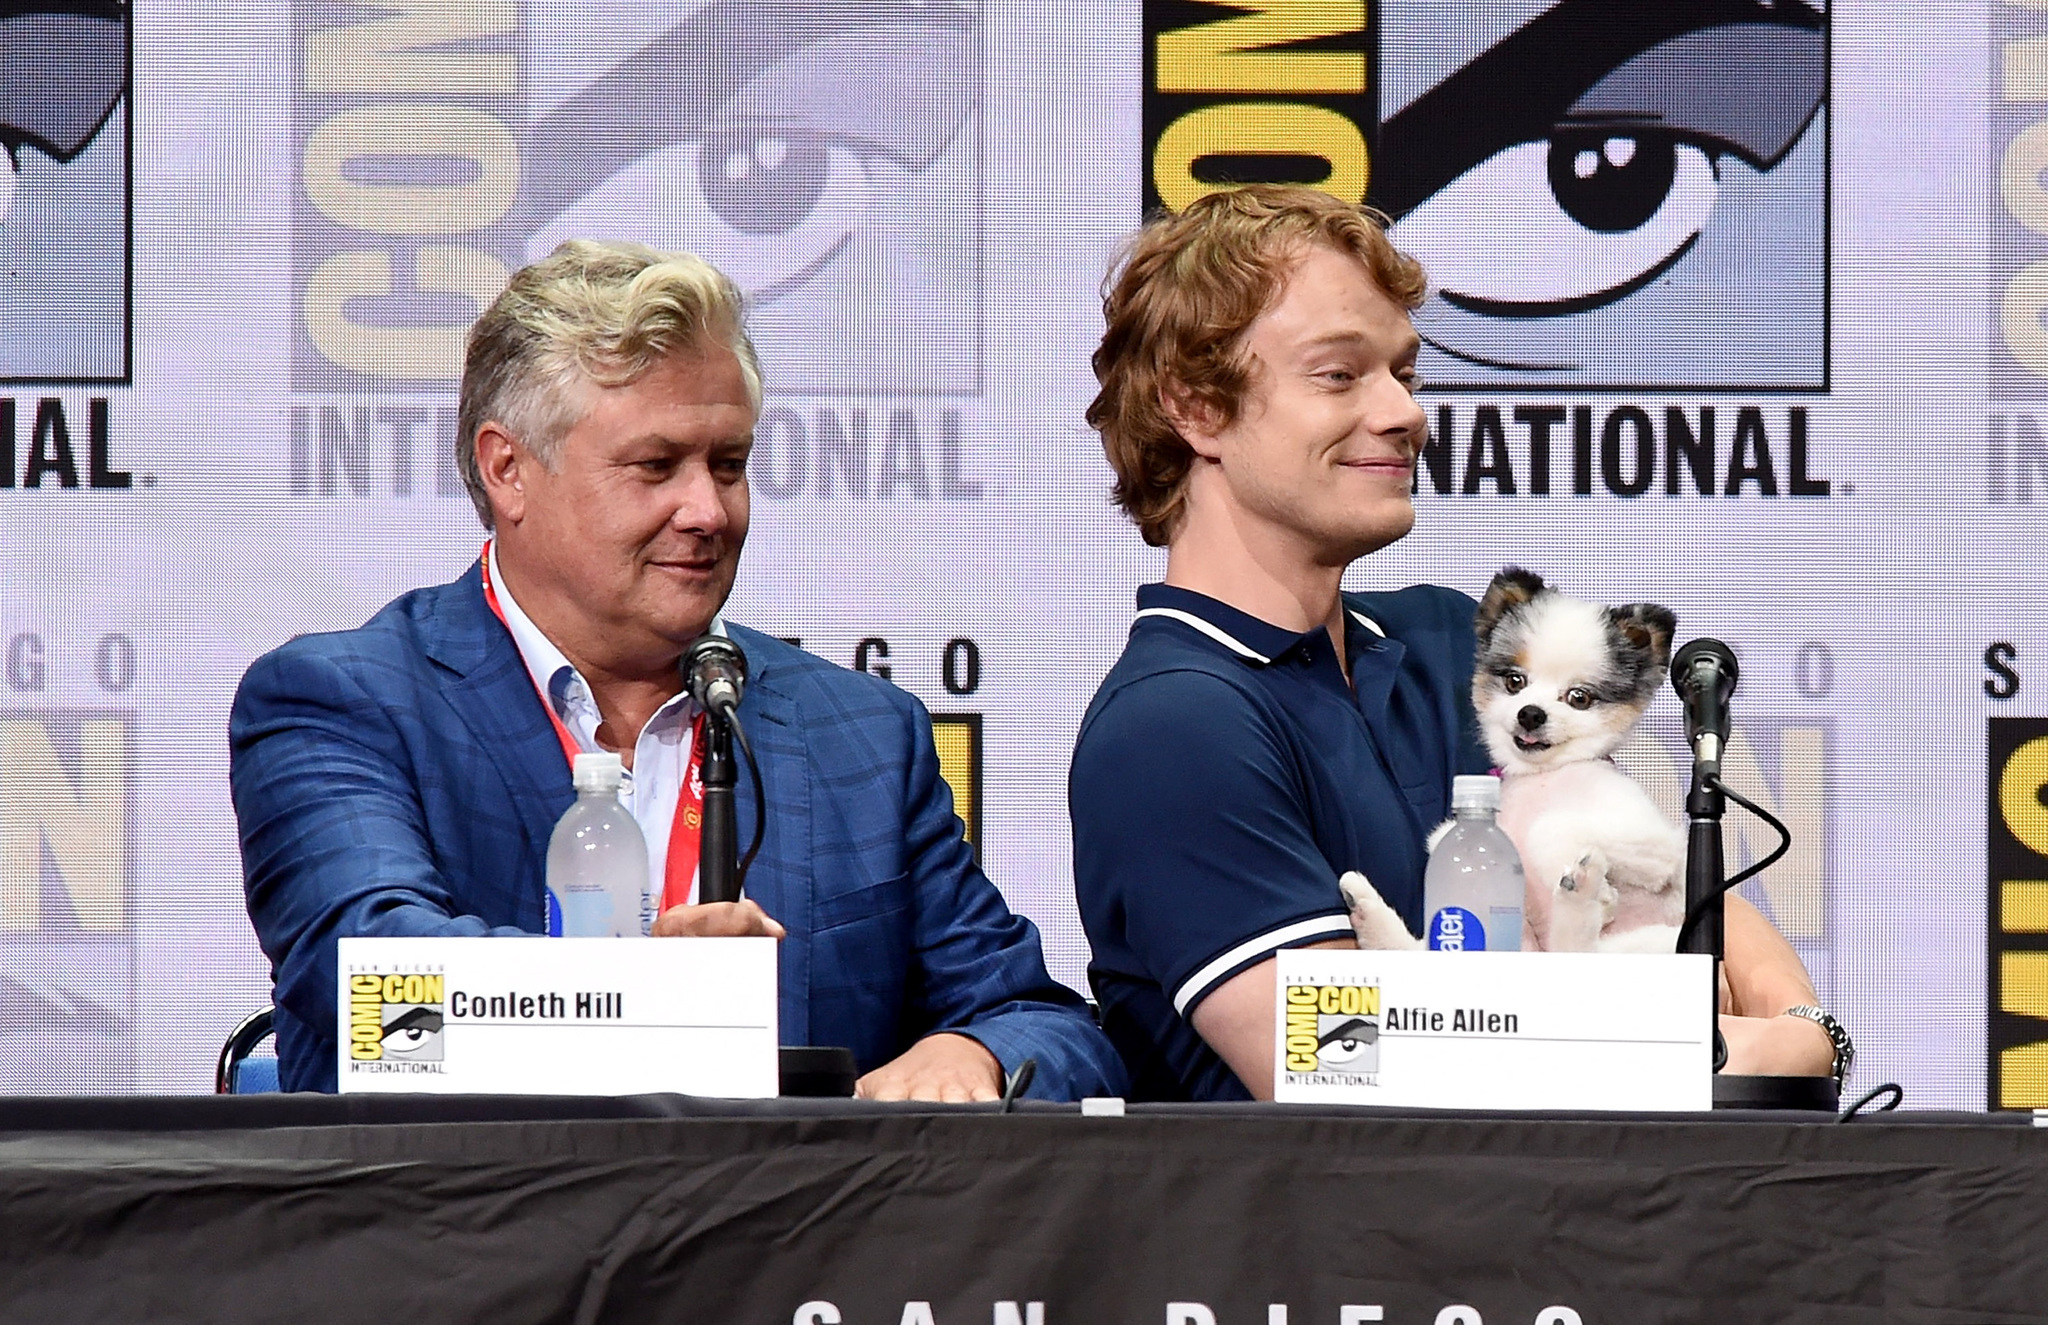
(504, 466)
(1198, 421)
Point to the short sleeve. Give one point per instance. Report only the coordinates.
(1193, 836)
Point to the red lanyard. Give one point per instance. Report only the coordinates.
(686, 834)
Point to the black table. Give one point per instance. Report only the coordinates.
(390, 1209)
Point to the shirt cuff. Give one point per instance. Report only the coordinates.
(1254, 950)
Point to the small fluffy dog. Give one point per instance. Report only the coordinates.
(1558, 684)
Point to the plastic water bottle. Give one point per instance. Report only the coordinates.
(597, 859)
(1472, 890)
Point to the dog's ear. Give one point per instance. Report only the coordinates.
(1648, 627)
(1511, 588)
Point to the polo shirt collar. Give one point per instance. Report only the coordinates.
(1257, 642)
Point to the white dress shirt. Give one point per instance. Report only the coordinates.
(661, 755)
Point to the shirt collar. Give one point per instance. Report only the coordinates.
(1258, 642)
(552, 672)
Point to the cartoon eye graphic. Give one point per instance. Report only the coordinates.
(405, 1041)
(1348, 1042)
(768, 210)
(1552, 227)
(65, 72)
(785, 130)
(1579, 160)
(411, 1032)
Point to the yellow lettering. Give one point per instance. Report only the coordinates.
(386, 54)
(1231, 55)
(1795, 885)
(2025, 68)
(2019, 317)
(414, 353)
(425, 129)
(1301, 995)
(1795, 888)
(366, 1018)
(2023, 1069)
(2023, 906)
(83, 825)
(958, 742)
(1259, 129)
(2019, 795)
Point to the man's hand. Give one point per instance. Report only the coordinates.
(948, 1068)
(1776, 1047)
(743, 919)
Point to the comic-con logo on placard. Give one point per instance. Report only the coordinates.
(395, 1021)
(1333, 1032)
(64, 191)
(1607, 194)
(819, 153)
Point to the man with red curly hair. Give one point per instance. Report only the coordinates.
(1264, 732)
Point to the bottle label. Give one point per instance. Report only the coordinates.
(554, 913)
(1454, 929)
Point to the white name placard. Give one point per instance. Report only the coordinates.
(603, 1016)
(1496, 1030)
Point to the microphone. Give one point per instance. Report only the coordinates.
(715, 671)
(1704, 675)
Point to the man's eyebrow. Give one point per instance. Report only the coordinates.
(1411, 345)
(1331, 338)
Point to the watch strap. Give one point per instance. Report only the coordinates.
(1845, 1048)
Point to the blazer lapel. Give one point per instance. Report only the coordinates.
(493, 694)
(781, 877)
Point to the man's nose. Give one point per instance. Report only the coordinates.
(1396, 411)
(699, 504)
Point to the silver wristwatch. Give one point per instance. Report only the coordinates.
(1845, 1048)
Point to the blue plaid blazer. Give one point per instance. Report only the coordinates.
(403, 778)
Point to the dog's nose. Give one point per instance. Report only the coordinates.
(1531, 717)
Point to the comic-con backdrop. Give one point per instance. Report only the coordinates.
(1737, 307)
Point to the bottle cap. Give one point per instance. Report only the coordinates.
(1469, 791)
(598, 772)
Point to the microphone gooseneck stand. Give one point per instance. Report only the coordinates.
(718, 851)
(1705, 929)
(716, 672)
(1707, 883)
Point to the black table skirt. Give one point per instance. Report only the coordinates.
(658, 1208)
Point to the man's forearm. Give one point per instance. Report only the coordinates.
(1236, 1020)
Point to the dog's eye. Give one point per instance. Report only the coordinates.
(1579, 697)
(1513, 682)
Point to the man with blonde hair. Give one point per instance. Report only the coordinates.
(1265, 732)
(404, 778)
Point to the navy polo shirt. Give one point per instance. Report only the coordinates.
(1226, 774)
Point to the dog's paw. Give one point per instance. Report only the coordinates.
(1583, 905)
(1588, 884)
(1376, 924)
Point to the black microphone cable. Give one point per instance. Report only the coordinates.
(1698, 910)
